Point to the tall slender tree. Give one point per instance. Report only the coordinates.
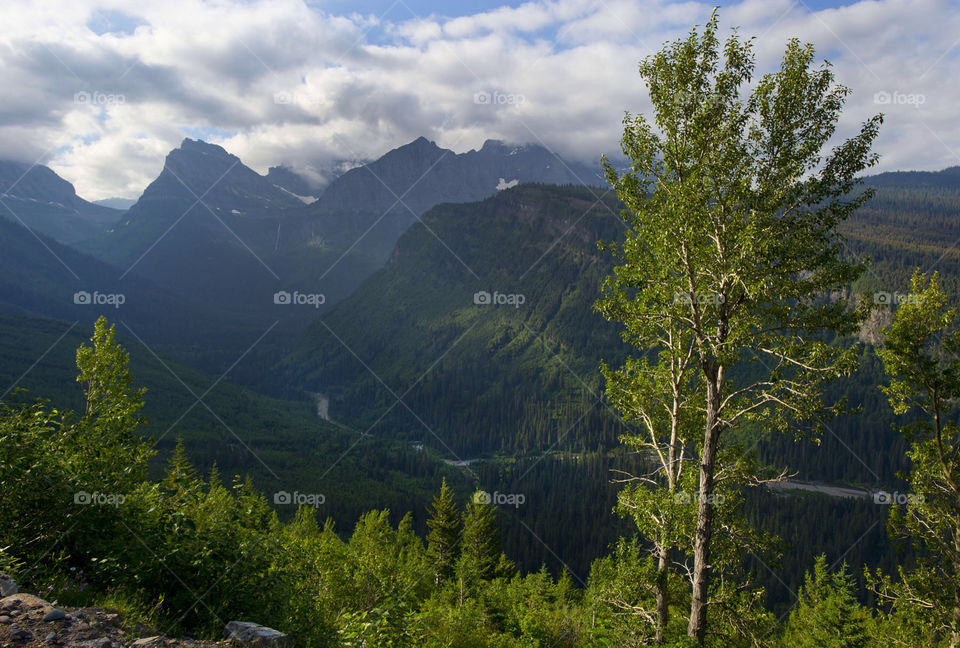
(443, 538)
(480, 546)
(732, 214)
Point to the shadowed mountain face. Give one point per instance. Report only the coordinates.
(39, 276)
(489, 303)
(216, 232)
(36, 197)
(419, 175)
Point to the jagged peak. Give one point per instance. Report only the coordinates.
(199, 146)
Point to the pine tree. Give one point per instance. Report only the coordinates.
(181, 477)
(827, 614)
(443, 540)
(480, 546)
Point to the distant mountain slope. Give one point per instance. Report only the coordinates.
(912, 221)
(39, 276)
(123, 204)
(35, 196)
(948, 178)
(516, 374)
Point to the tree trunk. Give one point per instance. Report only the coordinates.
(663, 595)
(955, 630)
(701, 548)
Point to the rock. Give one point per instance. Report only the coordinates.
(27, 601)
(5, 619)
(254, 634)
(21, 635)
(8, 586)
(146, 641)
(99, 642)
(54, 615)
(50, 637)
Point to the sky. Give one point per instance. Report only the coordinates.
(102, 91)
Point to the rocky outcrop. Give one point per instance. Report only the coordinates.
(27, 621)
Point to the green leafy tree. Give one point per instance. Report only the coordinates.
(36, 484)
(920, 354)
(827, 614)
(65, 477)
(106, 454)
(732, 216)
(657, 394)
(444, 537)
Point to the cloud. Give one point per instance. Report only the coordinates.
(102, 90)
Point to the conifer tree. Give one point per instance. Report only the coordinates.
(827, 614)
(443, 540)
(480, 546)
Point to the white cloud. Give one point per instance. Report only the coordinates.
(356, 86)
